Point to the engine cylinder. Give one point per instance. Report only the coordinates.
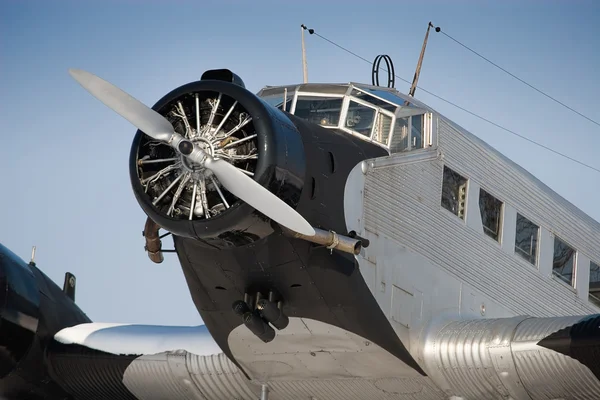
(228, 122)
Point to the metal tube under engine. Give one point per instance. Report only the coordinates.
(330, 239)
(153, 243)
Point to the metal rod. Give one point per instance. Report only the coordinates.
(246, 172)
(160, 173)
(237, 127)
(159, 160)
(178, 193)
(239, 141)
(203, 198)
(197, 115)
(264, 392)
(193, 202)
(32, 255)
(304, 65)
(219, 191)
(224, 119)
(413, 87)
(213, 111)
(330, 239)
(284, 99)
(171, 186)
(188, 128)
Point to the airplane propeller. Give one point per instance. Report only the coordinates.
(158, 127)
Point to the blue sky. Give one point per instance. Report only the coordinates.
(63, 155)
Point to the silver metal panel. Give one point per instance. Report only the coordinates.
(218, 378)
(402, 203)
(500, 358)
(472, 359)
(161, 376)
(182, 375)
(511, 183)
(357, 389)
(548, 374)
(307, 349)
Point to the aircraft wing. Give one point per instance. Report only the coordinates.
(121, 361)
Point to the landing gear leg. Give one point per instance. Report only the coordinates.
(264, 392)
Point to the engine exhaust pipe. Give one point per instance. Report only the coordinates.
(153, 243)
(330, 239)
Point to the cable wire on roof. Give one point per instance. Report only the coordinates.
(312, 32)
(521, 80)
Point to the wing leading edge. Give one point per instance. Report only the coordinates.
(123, 361)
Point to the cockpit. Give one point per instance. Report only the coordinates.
(373, 113)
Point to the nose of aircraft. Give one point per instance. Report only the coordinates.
(19, 310)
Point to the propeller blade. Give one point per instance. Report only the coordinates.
(141, 116)
(156, 126)
(251, 192)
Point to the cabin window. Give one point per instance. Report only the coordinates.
(564, 261)
(491, 214)
(324, 111)
(454, 192)
(526, 239)
(360, 118)
(595, 283)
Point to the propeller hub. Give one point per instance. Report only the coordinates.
(186, 147)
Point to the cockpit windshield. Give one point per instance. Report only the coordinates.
(380, 115)
(324, 111)
(362, 95)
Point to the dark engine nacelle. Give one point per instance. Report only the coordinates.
(229, 122)
(32, 310)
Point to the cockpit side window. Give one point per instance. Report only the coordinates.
(400, 136)
(416, 132)
(360, 118)
(409, 133)
(382, 128)
(324, 111)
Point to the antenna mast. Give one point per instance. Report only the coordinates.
(413, 87)
(32, 262)
(304, 66)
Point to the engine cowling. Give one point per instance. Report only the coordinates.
(231, 123)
